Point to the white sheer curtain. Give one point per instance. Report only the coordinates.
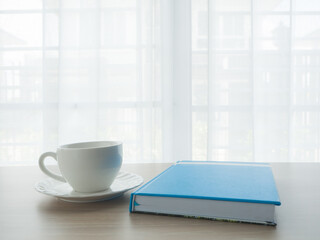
(256, 80)
(185, 79)
(80, 71)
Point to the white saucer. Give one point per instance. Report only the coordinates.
(124, 181)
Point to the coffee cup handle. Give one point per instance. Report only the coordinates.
(45, 170)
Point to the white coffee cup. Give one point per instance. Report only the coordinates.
(87, 166)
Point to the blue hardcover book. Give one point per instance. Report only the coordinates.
(231, 191)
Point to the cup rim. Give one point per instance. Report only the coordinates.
(91, 145)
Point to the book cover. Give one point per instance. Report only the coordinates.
(222, 182)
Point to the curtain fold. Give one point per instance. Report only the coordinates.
(109, 75)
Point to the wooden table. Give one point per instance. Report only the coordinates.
(27, 214)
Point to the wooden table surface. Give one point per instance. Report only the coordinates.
(27, 214)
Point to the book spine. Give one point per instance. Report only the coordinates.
(132, 197)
